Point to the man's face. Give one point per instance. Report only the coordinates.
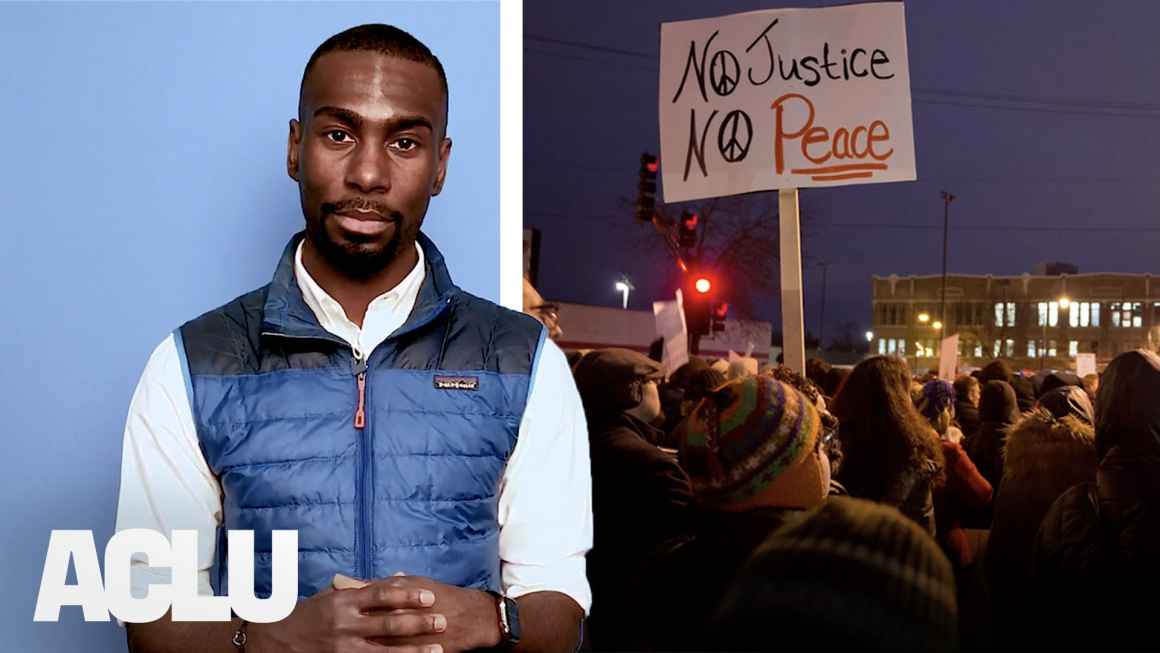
(368, 155)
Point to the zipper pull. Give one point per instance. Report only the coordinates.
(360, 371)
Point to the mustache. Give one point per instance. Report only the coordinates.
(361, 204)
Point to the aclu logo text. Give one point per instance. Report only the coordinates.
(98, 598)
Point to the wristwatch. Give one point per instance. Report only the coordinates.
(509, 621)
(240, 636)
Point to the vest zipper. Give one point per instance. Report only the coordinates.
(360, 372)
(359, 369)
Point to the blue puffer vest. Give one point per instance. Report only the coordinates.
(416, 488)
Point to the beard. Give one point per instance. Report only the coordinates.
(355, 258)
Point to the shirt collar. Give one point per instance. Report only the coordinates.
(333, 318)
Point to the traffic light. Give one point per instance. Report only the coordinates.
(646, 198)
(698, 300)
(720, 312)
(687, 229)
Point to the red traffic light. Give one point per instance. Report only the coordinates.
(720, 311)
(703, 285)
(651, 167)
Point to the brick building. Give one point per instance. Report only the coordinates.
(1033, 320)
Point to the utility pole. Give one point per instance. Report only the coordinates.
(942, 309)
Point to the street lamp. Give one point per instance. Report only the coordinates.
(924, 317)
(869, 336)
(937, 325)
(624, 287)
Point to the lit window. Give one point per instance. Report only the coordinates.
(902, 346)
(998, 344)
(999, 314)
(1073, 314)
(1095, 308)
(1010, 347)
(882, 346)
(1031, 349)
(1050, 347)
(1053, 314)
(1042, 314)
(1073, 348)
(1011, 314)
(892, 346)
(978, 350)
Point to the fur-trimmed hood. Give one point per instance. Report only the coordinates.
(1044, 448)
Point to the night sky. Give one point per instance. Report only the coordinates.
(1043, 118)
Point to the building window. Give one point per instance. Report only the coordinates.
(902, 346)
(1073, 348)
(1083, 314)
(995, 348)
(882, 346)
(1050, 347)
(978, 350)
(1031, 349)
(1010, 347)
(1127, 315)
(1049, 314)
(1004, 314)
(891, 346)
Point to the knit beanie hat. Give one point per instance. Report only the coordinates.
(937, 396)
(754, 441)
(850, 574)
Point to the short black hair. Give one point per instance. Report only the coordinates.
(384, 39)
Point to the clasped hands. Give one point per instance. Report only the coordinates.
(400, 614)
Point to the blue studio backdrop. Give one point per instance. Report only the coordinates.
(144, 182)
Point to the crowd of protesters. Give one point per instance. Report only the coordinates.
(870, 508)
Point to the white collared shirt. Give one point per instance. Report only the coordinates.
(545, 495)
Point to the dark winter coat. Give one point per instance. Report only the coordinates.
(1097, 554)
(1044, 457)
(684, 584)
(640, 499)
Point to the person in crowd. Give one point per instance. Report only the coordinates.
(1068, 400)
(1048, 451)
(817, 370)
(1091, 385)
(965, 488)
(688, 385)
(849, 575)
(1024, 393)
(998, 411)
(753, 449)
(640, 496)
(1095, 560)
(834, 381)
(546, 313)
(967, 395)
(831, 445)
(890, 454)
(996, 370)
(1057, 380)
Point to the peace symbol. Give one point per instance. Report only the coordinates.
(724, 71)
(734, 138)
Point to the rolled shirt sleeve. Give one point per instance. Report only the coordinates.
(165, 481)
(545, 502)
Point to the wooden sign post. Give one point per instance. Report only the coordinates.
(793, 344)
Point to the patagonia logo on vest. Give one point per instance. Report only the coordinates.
(457, 382)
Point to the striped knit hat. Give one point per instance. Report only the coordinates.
(749, 435)
(851, 574)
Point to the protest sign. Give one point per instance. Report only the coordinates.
(948, 358)
(1085, 364)
(785, 98)
(670, 321)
